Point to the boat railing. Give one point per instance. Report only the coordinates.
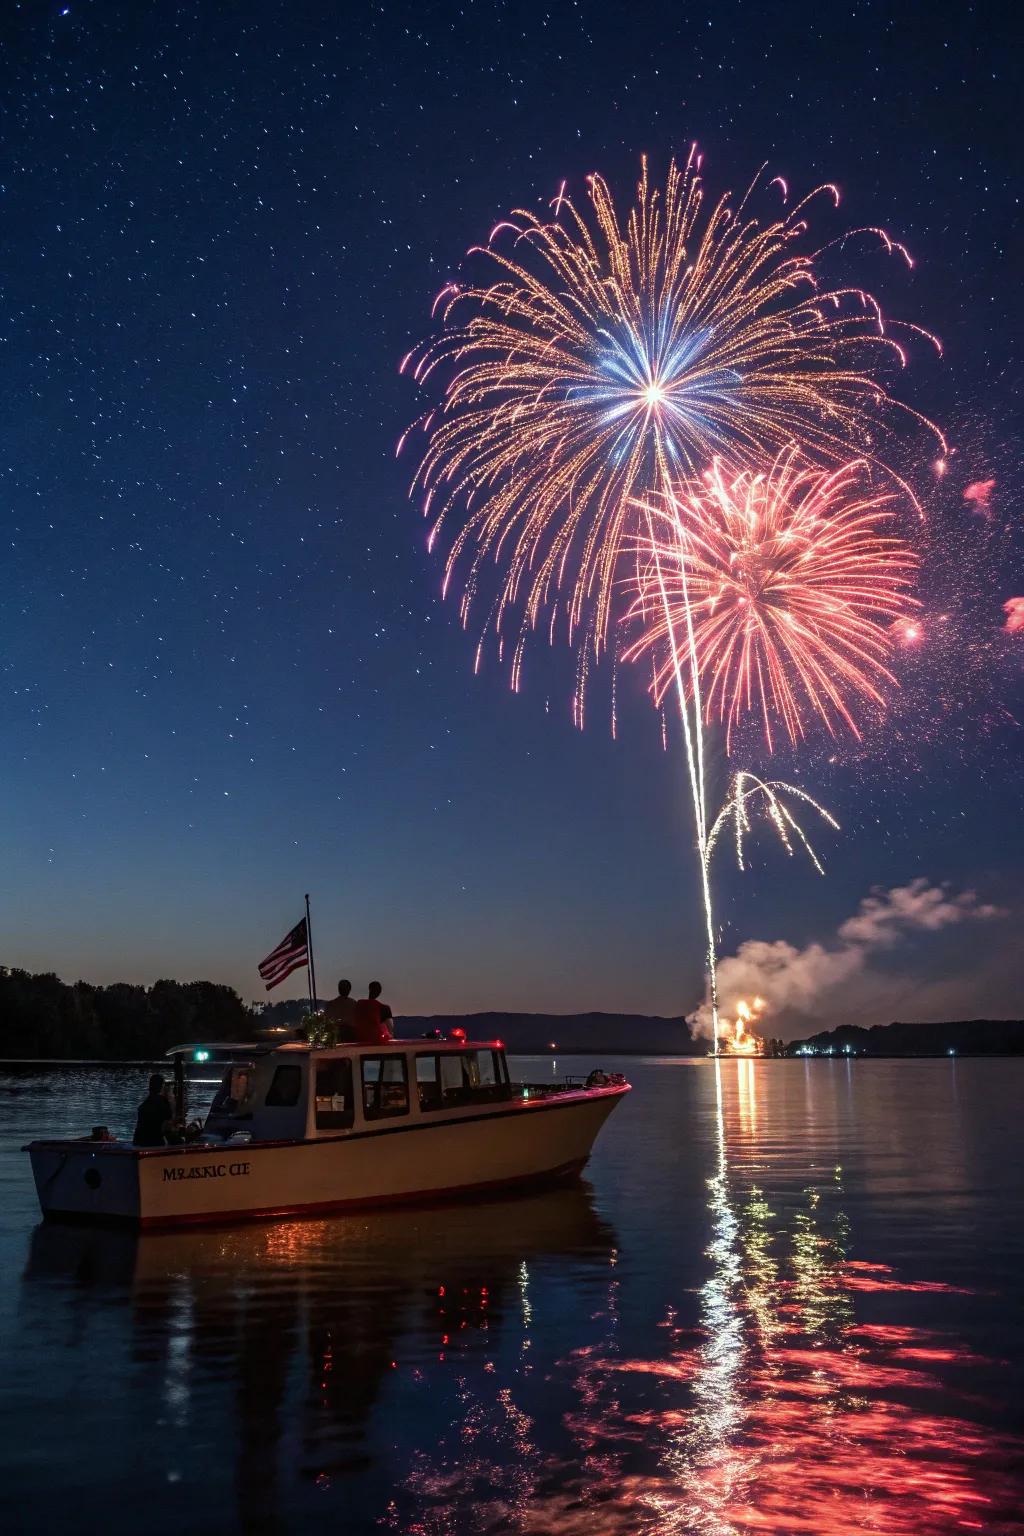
(546, 1090)
(570, 1082)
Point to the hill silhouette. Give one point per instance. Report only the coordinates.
(526, 1033)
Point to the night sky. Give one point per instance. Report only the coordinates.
(227, 673)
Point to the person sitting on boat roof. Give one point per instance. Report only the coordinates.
(387, 1018)
(155, 1119)
(369, 1021)
(341, 1011)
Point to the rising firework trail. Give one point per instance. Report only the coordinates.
(747, 795)
(608, 355)
(792, 541)
(793, 579)
(692, 716)
(747, 792)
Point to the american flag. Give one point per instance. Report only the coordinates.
(290, 955)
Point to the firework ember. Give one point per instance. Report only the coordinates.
(791, 580)
(1014, 610)
(609, 354)
(979, 495)
(907, 631)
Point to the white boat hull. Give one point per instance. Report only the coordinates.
(523, 1144)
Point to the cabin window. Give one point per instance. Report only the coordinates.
(232, 1095)
(486, 1073)
(334, 1106)
(428, 1082)
(454, 1079)
(486, 1077)
(240, 1085)
(233, 1090)
(385, 1087)
(285, 1088)
(223, 1093)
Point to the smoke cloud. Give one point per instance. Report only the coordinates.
(819, 980)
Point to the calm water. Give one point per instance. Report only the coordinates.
(787, 1299)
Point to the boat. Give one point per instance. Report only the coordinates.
(298, 1130)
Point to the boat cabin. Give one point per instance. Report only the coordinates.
(298, 1092)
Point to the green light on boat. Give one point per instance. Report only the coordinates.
(201, 1056)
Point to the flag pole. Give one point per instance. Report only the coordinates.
(310, 969)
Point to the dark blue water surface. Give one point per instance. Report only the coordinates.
(786, 1299)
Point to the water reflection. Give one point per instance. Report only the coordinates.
(767, 1344)
(314, 1325)
(781, 1413)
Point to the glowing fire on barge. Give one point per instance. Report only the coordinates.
(738, 1038)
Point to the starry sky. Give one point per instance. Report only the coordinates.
(227, 674)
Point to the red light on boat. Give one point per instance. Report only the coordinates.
(458, 1034)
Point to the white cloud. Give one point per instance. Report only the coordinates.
(818, 979)
(883, 917)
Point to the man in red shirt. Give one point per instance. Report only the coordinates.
(387, 1018)
(369, 1020)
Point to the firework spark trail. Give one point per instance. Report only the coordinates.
(745, 789)
(792, 583)
(609, 356)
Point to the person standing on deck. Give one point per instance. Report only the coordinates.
(387, 1018)
(369, 1022)
(155, 1117)
(341, 1011)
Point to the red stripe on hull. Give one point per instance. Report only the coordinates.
(333, 1207)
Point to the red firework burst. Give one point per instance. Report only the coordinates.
(789, 583)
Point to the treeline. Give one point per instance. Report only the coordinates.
(286, 1015)
(957, 1037)
(42, 1016)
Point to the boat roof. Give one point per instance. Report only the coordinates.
(414, 1042)
(211, 1047)
(214, 1050)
